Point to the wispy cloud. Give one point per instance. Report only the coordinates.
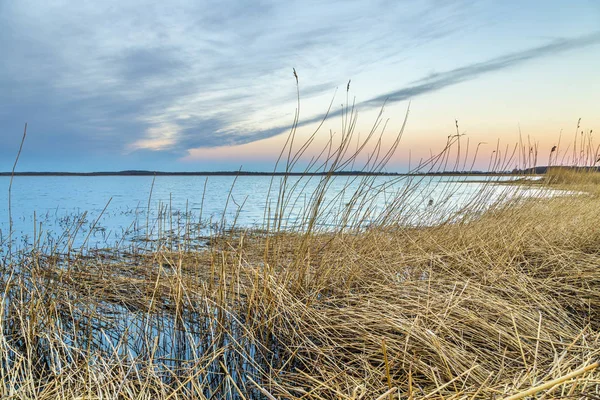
(120, 78)
(441, 80)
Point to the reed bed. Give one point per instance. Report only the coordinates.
(498, 299)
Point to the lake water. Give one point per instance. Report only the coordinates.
(108, 210)
(128, 213)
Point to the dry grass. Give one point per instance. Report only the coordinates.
(488, 307)
(588, 177)
(484, 305)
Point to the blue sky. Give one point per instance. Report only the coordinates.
(208, 85)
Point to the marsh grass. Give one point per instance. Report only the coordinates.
(491, 300)
(588, 177)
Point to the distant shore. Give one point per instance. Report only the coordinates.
(529, 171)
(250, 173)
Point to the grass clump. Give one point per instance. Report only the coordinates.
(578, 176)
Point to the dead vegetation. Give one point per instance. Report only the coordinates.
(501, 299)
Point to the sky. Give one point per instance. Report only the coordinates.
(208, 85)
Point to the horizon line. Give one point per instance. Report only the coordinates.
(540, 169)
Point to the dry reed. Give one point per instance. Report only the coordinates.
(492, 301)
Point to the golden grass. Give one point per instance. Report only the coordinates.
(489, 307)
(588, 177)
(501, 300)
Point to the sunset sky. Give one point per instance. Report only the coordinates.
(208, 85)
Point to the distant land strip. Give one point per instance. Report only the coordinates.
(243, 173)
(536, 170)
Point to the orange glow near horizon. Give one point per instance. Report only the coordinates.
(524, 107)
(419, 143)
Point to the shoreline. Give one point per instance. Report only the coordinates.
(248, 173)
(511, 293)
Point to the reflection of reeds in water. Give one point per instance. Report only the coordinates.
(498, 297)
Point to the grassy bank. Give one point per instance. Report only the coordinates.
(481, 308)
(491, 301)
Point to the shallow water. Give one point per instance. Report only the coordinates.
(102, 211)
(127, 211)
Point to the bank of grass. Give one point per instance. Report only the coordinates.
(499, 299)
(484, 308)
(581, 177)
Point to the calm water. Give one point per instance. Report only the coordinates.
(63, 212)
(104, 211)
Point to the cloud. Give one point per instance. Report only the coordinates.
(116, 76)
(131, 78)
(441, 80)
(438, 81)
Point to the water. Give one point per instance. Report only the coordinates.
(104, 211)
(105, 320)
